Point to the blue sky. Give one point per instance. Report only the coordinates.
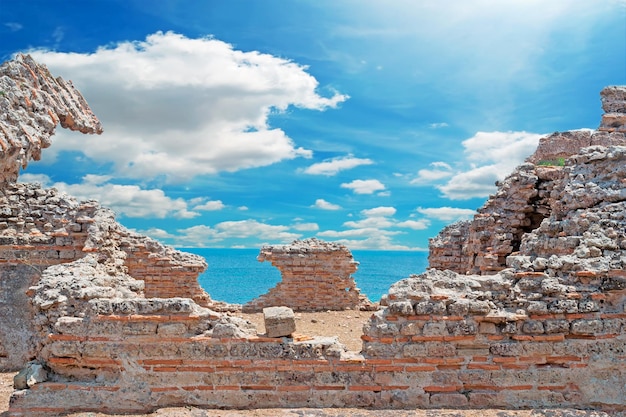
(237, 123)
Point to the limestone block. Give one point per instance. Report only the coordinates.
(32, 374)
(279, 321)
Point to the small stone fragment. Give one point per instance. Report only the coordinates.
(279, 321)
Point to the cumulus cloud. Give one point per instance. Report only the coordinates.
(306, 227)
(379, 211)
(212, 205)
(492, 156)
(177, 107)
(367, 239)
(320, 203)
(376, 221)
(415, 224)
(439, 171)
(447, 213)
(363, 232)
(125, 200)
(364, 186)
(333, 166)
(204, 235)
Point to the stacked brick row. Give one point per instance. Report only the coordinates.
(444, 341)
(511, 339)
(316, 275)
(40, 228)
(447, 249)
(166, 272)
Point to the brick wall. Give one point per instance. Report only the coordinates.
(316, 275)
(149, 353)
(41, 227)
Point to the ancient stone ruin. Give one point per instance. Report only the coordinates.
(528, 195)
(112, 321)
(316, 276)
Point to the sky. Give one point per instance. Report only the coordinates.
(239, 123)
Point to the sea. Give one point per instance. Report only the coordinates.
(236, 276)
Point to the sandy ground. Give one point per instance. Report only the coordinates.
(347, 326)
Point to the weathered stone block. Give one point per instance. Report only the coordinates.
(279, 321)
(587, 327)
(32, 374)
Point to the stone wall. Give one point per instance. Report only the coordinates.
(542, 323)
(41, 227)
(316, 275)
(614, 106)
(510, 340)
(32, 103)
(513, 339)
(523, 200)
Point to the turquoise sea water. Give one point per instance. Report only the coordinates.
(235, 275)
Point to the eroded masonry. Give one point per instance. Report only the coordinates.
(316, 276)
(525, 305)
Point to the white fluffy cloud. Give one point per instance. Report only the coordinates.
(447, 213)
(125, 200)
(211, 205)
(176, 107)
(437, 172)
(379, 211)
(320, 203)
(204, 235)
(306, 227)
(333, 166)
(364, 186)
(492, 156)
(415, 224)
(374, 227)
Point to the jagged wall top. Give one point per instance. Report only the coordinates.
(614, 106)
(32, 103)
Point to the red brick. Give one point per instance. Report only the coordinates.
(443, 388)
(257, 388)
(375, 388)
(288, 388)
(395, 387)
(518, 388)
(552, 387)
(329, 387)
(504, 359)
(163, 389)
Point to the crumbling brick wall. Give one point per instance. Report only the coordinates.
(444, 341)
(547, 331)
(41, 227)
(316, 275)
(524, 198)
